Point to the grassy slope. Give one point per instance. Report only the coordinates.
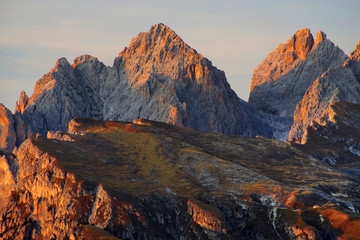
(134, 160)
(144, 159)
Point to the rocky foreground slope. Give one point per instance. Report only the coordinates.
(158, 77)
(280, 82)
(151, 180)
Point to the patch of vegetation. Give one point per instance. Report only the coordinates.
(121, 160)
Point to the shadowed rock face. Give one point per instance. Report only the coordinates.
(341, 83)
(158, 77)
(159, 181)
(335, 139)
(281, 80)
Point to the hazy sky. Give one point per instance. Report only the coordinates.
(235, 35)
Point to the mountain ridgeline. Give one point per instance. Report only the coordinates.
(158, 77)
(169, 164)
(299, 80)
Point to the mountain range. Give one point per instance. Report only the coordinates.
(158, 77)
(158, 146)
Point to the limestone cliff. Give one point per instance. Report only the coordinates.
(157, 77)
(281, 80)
(341, 83)
(153, 180)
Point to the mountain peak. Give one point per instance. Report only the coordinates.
(60, 63)
(160, 50)
(22, 103)
(283, 58)
(320, 36)
(355, 55)
(301, 44)
(159, 26)
(288, 72)
(82, 59)
(159, 36)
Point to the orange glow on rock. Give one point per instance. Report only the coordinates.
(339, 220)
(207, 218)
(303, 232)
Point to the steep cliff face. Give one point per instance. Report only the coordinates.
(157, 77)
(158, 181)
(281, 80)
(341, 83)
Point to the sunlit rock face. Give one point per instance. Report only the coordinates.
(152, 180)
(158, 77)
(284, 58)
(281, 80)
(341, 83)
(336, 138)
(8, 134)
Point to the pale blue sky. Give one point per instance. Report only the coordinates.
(235, 35)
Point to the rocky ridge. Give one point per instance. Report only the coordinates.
(153, 180)
(341, 83)
(158, 77)
(336, 140)
(281, 80)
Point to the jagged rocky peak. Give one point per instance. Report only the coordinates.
(159, 37)
(82, 59)
(356, 53)
(286, 56)
(300, 45)
(48, 81)
(60, 63)
(158, 77)
(22, 103)
(281, 80)
(282, 59)
(320, 36)
(340, 83)
(159, 51)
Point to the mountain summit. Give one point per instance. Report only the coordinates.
(159, 51)
(281, 80)
(341, 83)
(284, 58)
(158, 77)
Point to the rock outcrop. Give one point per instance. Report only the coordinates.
(160, 181)
(7, 129)
(281, 80)
(158, 77)
(341, 83)
(335, 140)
